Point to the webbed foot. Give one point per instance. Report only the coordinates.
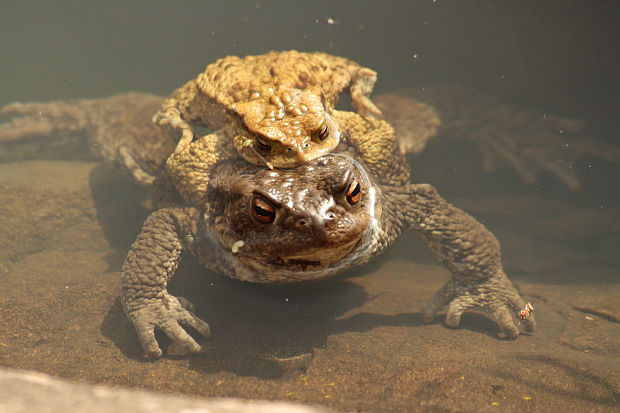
(495, 296)
(168, 314)
(170, 120)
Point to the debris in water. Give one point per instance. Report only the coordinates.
(236, 246)
(526, 311)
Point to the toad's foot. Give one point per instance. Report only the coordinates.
(471, 252)
(149, 266)
(169, 314)
(172, 123)
(495, 296)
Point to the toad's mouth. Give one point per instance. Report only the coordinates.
(313, 257)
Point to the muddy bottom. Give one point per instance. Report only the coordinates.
(354, 343)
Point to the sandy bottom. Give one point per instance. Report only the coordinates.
(356, 343)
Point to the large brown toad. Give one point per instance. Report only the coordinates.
(275, 109)
(286, 226)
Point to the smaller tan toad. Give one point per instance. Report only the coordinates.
(274, 109)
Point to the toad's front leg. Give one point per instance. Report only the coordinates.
(473, 256)
(150, 264)
(185, 108)
(362, 83)
(376, 146)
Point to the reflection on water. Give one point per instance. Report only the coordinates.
(355, 342)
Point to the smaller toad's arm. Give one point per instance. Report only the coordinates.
(116, 128)
(150, 264)
(188, 106)
(469, 250)
(376, 145)
(360, 81)
(175, 114)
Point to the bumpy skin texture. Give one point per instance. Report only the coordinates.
(466, 248)
(116, 128)
(273, 109)
(280, 96)
(372, 140)
(307, 238)
(297, 251)
(319, 223)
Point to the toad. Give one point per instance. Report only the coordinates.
(279, 226)
(275, 109)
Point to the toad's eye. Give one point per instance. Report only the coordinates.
(262, 143)
(354, 191)
(263, 211)
(323, 132)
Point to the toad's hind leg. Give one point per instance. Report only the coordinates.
(473, 256)
(34, 130)
(414, 121)
(116, 128)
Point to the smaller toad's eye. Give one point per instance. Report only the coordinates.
(263, 211)
(354, 191)
(323, 132)
(262, 143)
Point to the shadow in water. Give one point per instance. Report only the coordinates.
(120, 211)
(585, 385)
(269, 331)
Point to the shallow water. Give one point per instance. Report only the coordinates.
(356, 342)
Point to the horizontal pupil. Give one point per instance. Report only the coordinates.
(263, 211)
